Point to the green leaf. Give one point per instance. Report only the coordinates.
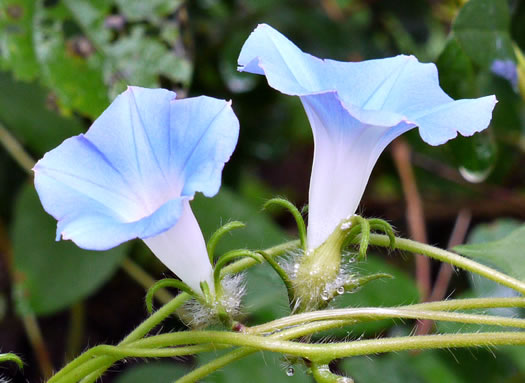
(53, 275)
(74, 75)
(142, 59)
(16, 38)
(482, 28)
(507, 254)
(68, 46)
(403, 367)
(481, 365)
(379, 293)
(475, 156)
(158, 372)
(41, 129)
(266, 295)
(489, 232)
(138, 57)
(456, 73)
(261, 367)
(482, 287)
(138, 9)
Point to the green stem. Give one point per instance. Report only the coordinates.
(16, 150)
(470, 303)
(218, 363)
(228, 257)
(38, 344)
(10, 357)
(449, 257)
(372, 346)
(145, 327)
(323, 353)
(219, 233)
(457, 304)
(111, 354)
(375, 313)
(240, 353)
(365, 236)
(282, 274)
(76, 331)
(322, 374)
(245, 263)
(328, 352)
(143, 348)
(301, 227)
(167, 282)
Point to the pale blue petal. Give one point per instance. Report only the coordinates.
(345, 152)
(183, 250)
(125, 177)
(100, 231)
(440, 124)
(132, 133)
(204, 134)
(286, 67)
(80, 169)
(399, 85)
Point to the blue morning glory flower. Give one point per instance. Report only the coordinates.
(356, 109)
(506, 69)
(133, 174)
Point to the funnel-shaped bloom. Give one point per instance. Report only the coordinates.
(356, 110)
(134, 172)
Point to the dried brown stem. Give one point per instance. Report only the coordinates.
(414, 211)
(28, 318)
(439, 291)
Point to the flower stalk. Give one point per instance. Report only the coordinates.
(451, 258)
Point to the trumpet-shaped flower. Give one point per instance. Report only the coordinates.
(356, 109)
(133, 174)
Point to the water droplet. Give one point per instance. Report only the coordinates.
(290, 371)
(340, 290)
(475, 176)
(324, 295)
(345, 379)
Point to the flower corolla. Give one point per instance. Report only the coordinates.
(355, 110)
(133, 174)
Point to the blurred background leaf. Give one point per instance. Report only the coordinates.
(53, 275)
(261, 367)
(158, 372)
(88, 51)
(488, 236)
(505, 254)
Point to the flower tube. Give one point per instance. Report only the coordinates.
(133, 174)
